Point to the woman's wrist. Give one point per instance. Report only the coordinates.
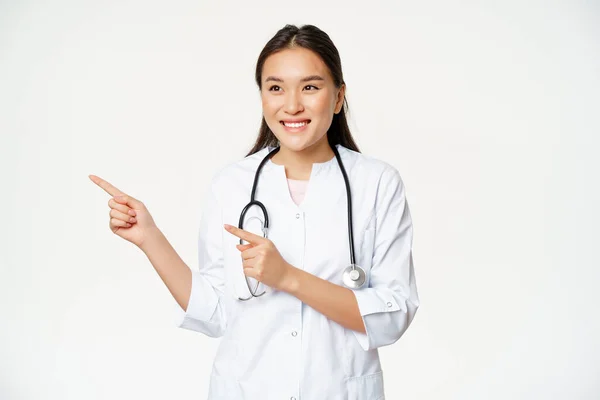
(152, 239)
(290, 280)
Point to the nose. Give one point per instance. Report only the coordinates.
(293, 103)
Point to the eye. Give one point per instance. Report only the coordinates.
(316, 88)
(274, 86)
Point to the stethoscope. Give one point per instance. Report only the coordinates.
(353, 276)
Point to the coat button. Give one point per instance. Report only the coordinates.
(389, 304)
(297, 216)
(294, 333)
(292, 398)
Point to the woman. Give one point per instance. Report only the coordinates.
(297, 321)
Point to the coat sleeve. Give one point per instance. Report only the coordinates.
(389, 303)
(206, 310)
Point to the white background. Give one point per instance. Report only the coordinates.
(488, 109)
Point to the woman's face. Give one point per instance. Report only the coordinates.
(299, 98)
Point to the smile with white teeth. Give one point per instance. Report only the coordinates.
(295, 124)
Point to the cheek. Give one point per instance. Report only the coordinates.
(270, 108)
(321, 105)
(269, 112)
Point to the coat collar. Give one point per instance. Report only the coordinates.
(317, 168)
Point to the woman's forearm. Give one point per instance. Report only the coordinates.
(176, 275)
(335, 302)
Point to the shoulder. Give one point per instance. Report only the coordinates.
(371, 168)
(238, 170)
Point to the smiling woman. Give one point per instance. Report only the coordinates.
(303, 94)
(331, 277)
(299, 74)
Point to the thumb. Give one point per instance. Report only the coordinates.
(128, 200)
(244, 247)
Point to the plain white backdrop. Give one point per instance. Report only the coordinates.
(489, 110)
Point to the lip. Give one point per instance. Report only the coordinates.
(294, 130)
(295, 120)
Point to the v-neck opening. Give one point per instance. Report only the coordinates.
(282, 179)
(297, 189)
(311, 182)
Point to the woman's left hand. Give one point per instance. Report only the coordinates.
(261, 259)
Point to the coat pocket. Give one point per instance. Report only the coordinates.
(366, 387)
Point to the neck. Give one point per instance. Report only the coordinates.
(298, 164)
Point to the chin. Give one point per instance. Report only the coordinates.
(294, 145)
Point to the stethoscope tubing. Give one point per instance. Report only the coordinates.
(254, 202)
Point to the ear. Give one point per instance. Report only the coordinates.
(339, 103)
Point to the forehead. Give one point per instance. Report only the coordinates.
(290, 64)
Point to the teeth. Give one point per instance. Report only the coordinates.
(294, 124)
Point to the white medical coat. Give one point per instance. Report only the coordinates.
(275, 346)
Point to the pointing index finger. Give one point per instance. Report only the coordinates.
(108, 188)
(245, 235)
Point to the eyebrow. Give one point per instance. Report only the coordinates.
(305, 79)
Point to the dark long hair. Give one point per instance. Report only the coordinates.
(312, 38)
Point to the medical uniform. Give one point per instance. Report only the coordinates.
(274, 346)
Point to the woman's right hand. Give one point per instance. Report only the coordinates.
(129, 217)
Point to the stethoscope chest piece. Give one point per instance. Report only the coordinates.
(354, 277)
